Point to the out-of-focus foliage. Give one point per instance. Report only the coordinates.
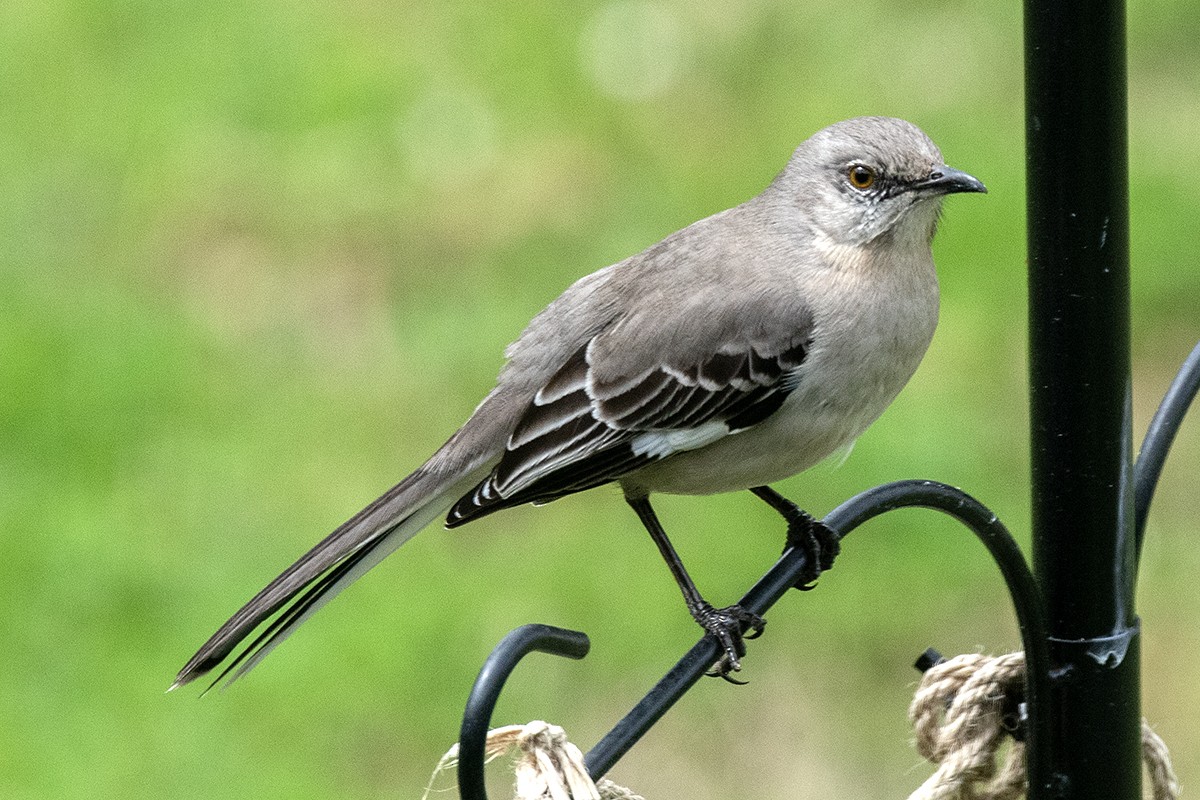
(257, 259)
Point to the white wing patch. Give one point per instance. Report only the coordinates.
(660, 444)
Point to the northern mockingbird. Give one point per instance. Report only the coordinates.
(736, 352)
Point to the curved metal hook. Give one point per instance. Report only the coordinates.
(792, 566)
(1022, 587)
(1003, 548)
(477, 717)
(1159, 437)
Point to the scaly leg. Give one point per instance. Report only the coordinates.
(728, 625)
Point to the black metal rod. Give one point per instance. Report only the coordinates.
(791, 566)
(472, 738)
(1083, 524)
(1159, 437)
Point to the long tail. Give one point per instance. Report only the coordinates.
(333, 564)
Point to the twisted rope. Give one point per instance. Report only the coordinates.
(958, 716)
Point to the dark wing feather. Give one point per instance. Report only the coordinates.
(579, 432)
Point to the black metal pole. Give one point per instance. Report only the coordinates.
(1083, 532)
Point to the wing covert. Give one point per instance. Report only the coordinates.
(580, 431)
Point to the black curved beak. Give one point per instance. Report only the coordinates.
(948, 180)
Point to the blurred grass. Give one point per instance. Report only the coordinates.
(258, 259)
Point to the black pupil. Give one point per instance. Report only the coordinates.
(861, 176)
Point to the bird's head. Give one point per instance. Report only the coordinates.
(871, 177)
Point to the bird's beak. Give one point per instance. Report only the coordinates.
(948, 180)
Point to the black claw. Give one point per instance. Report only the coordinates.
(817, 540)
(730, 626)
(819, 543)
(725, 677)
(721, 670)
(830, 544)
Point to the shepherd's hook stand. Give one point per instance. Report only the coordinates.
(1075, 609)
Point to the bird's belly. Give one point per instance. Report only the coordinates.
(790, 441)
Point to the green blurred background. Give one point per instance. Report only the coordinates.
(258, 259)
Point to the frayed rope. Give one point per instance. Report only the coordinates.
(549, 767)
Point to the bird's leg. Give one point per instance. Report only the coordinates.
(815, 538)
(728, 625)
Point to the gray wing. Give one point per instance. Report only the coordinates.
(583, 429)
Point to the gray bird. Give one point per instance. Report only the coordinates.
(736, 352)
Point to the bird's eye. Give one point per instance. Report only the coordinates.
(861, 176)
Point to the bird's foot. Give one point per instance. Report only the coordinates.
(818, 541)
(730, 626)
